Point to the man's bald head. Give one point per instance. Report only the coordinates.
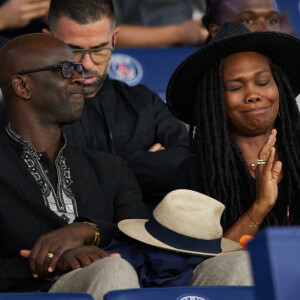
(28, 52)
(45, 96)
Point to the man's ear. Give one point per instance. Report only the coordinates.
(213, 29)
(116, 31)
(20, 86)
(46, 31)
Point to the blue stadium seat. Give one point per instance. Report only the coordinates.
(275, 258)
(293, 8)
(184, 293)
(152, 67)
(45, 296)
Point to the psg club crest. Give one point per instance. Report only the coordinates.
(125, 68)
(192, 298)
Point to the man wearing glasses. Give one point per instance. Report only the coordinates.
(131, 122)
(58, 202)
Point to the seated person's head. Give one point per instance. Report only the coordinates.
(51, 95)
(87, 26)
(256, 15)
(239, 86)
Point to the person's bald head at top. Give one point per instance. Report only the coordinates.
(43, 96)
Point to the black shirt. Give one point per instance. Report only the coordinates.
(127, 121)
(90, 184)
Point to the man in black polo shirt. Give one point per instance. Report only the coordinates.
(129, 121)
(58, 203)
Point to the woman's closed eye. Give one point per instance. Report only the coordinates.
(233, 88)
(262, 82)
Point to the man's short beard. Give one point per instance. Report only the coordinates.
(91, 89)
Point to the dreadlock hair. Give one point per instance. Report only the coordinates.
(225, 173)
(81, 11)
(288, 140)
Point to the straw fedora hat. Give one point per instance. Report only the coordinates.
(184, 221)
(282, 49)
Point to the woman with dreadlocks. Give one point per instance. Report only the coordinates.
(238, 95)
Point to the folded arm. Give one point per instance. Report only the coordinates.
(155, 167)
(187, 33)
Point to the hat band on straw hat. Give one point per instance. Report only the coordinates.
(181, 241)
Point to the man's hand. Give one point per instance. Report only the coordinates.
(76, 258)
(18, 13)
(156, 147)
(57, 242)
(81, 257)
(191, 32)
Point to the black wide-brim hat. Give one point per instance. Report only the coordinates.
(282, 49)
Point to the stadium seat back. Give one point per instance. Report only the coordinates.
(183, 293)
(275, 258)
(45, 296)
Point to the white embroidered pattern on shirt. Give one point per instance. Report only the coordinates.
(62, 201)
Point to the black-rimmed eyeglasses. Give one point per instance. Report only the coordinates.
(66, 67)
(98, 55)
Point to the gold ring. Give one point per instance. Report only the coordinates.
(50, 255)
